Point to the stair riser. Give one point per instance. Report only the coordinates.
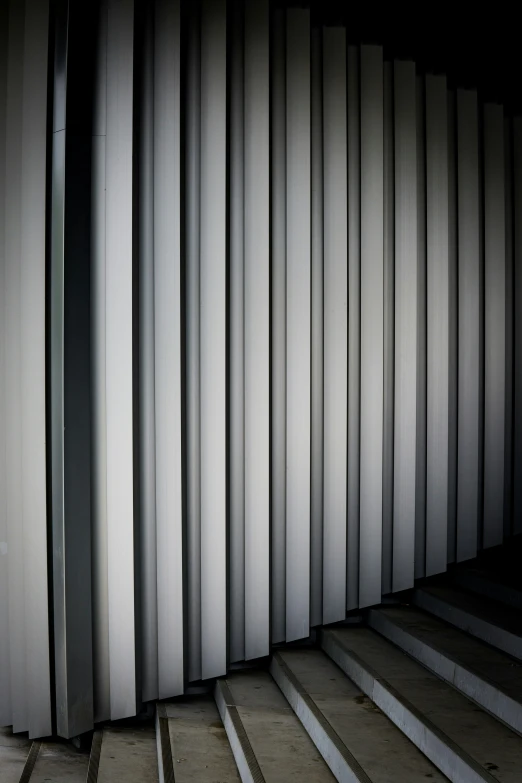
(468, 683)
(437, 748)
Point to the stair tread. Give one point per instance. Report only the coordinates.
(493, 612)
(128, 753)
(383, 752)
(13, 755)
(198, 741)
(487, 741)
(497, 667)
(281, 745)
(60, 761)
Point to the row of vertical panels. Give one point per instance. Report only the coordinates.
(300, 358)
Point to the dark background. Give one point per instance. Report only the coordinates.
(476, 45)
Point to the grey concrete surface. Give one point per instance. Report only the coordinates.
(13, 753)
(462, 740)
(60, 762)
(334, 710)
(128, 755)
(484, 674)
(282, 748)
(199, 745)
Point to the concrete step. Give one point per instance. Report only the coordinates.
(494, 623)
(488, 584)
(124, 753)
(14, 752)
(192, 743)
(268, 741)
(58, 762)
(355, 738)
(467, 744)
(489, 677)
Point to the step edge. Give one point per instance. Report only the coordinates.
(30, 761)
(244, 756)
(382, 693)
(163, 746)
(308, 712)
(94, 756)
(394, 631)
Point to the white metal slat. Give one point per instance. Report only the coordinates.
(316, 493)
(354, 327)
(508, 457)
(372, 326)
(388, 319)
(420, 468)
(469, 313)
(494, 324)
(237, 340)
(406, 326)
(517, 308)
(257, 329)
(13, 497)
(298, 323)
(167, 336)
(148, 537)
(100, 596)
(213, 303)
(278, 390)
(192, 191)
(438, 324)
(453, 327)
(5, 682)
(335, 237)
(119, 358)
(32, 317)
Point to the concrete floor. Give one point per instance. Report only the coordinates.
(129, 755)
(13, 754)
(60, 762)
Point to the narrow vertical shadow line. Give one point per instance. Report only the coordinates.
(94, 758)
(30, 762)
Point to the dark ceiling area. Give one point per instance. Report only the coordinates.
(474, 50)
